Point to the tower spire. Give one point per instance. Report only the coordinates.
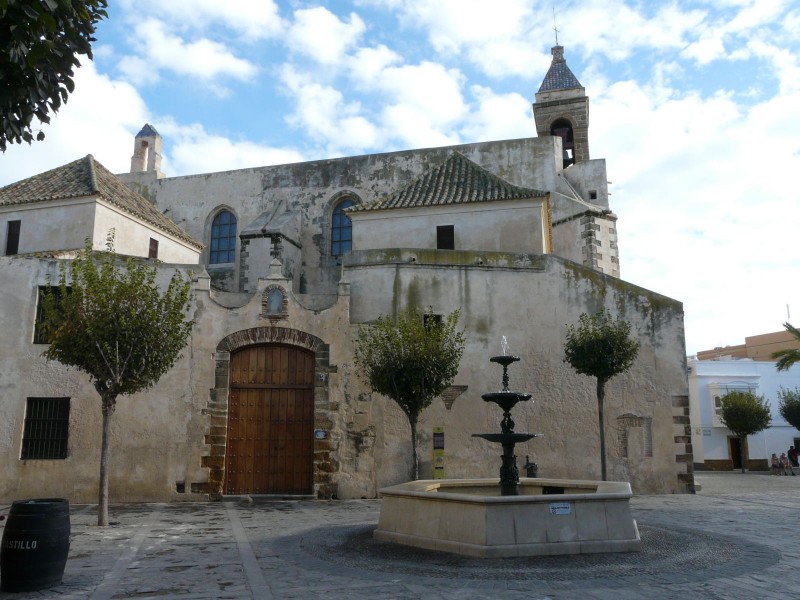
(561, 107)
(555, 26)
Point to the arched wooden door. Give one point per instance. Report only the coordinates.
(270, 443)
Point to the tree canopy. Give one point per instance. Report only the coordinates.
(600, 347)
(786, 358)
(111, 320)
(411, 359)
(745, 413)
(789, 406)
(40, 41)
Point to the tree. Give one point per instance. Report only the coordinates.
(110, 320)
(40, 41)
(412, 360)
(786, 358)
(600, 347)
(744, 414)
(789, 406)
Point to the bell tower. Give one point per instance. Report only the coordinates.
(561, 108)
(147, 152)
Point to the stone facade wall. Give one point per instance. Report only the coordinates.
(530, 300)
(313, 188)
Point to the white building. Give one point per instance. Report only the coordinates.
(714, 446)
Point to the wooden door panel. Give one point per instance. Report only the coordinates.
(270, 447)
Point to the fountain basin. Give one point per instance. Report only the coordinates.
(547, 517)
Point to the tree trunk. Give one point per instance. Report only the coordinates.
(415, 464)
(102, 503)
(742, 451)
(601, 395)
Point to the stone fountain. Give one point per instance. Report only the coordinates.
(506, 399)
(510, 517)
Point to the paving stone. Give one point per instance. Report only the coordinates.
(734, 540)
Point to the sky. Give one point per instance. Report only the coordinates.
(695, 105)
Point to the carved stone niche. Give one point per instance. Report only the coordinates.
(274, 304)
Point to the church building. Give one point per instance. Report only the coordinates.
(287, 262)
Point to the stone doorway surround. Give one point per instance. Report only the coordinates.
(325, 463)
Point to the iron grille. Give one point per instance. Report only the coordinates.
(46, 429)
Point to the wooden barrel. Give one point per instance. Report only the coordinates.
(35, 544)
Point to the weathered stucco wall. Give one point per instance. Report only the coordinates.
(155, 435)
(530, 300)
(510, 226)
(132, 237)
(313, 188)
(58, 226)
(65, 225)
(175, 433)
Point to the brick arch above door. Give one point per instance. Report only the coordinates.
(325, 450)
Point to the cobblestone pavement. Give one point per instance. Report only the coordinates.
(735, 539)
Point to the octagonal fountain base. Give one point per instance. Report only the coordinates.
(547, 517)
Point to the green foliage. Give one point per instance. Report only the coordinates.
(599, 346)
(786, 358)
(111, 321)
(40, 41)
(410, 361)
(114, 323)
(745, 413)
(789, 406)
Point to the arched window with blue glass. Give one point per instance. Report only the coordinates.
(341, 229)
(223, 238)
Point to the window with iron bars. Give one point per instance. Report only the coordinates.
(46, 430)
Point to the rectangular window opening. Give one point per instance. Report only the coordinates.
(445, 237)
(40, 336)
(153, 252)
(46, 429)
(430, 319)
(12, 237)
(593, 195)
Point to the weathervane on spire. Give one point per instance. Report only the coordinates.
(555, 27)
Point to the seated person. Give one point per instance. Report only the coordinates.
(784, 464)
(775, 465)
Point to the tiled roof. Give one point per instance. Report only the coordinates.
(456, 181)
(559, 77)
(87, 177)
(147, 131)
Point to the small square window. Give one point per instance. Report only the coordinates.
(46, 429)
(445, 237)
(431, 320)
(12, 237)
(593, 195)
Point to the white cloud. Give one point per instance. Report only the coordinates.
(201, 59)
(453, 24)
(194, 150)
(618, 31)
(322, 112)
(100, 118)
(701, 219)
(366, 64)
(322, 36)
(501, 38)
(498, 117)
(254, 19)
(784, 64)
